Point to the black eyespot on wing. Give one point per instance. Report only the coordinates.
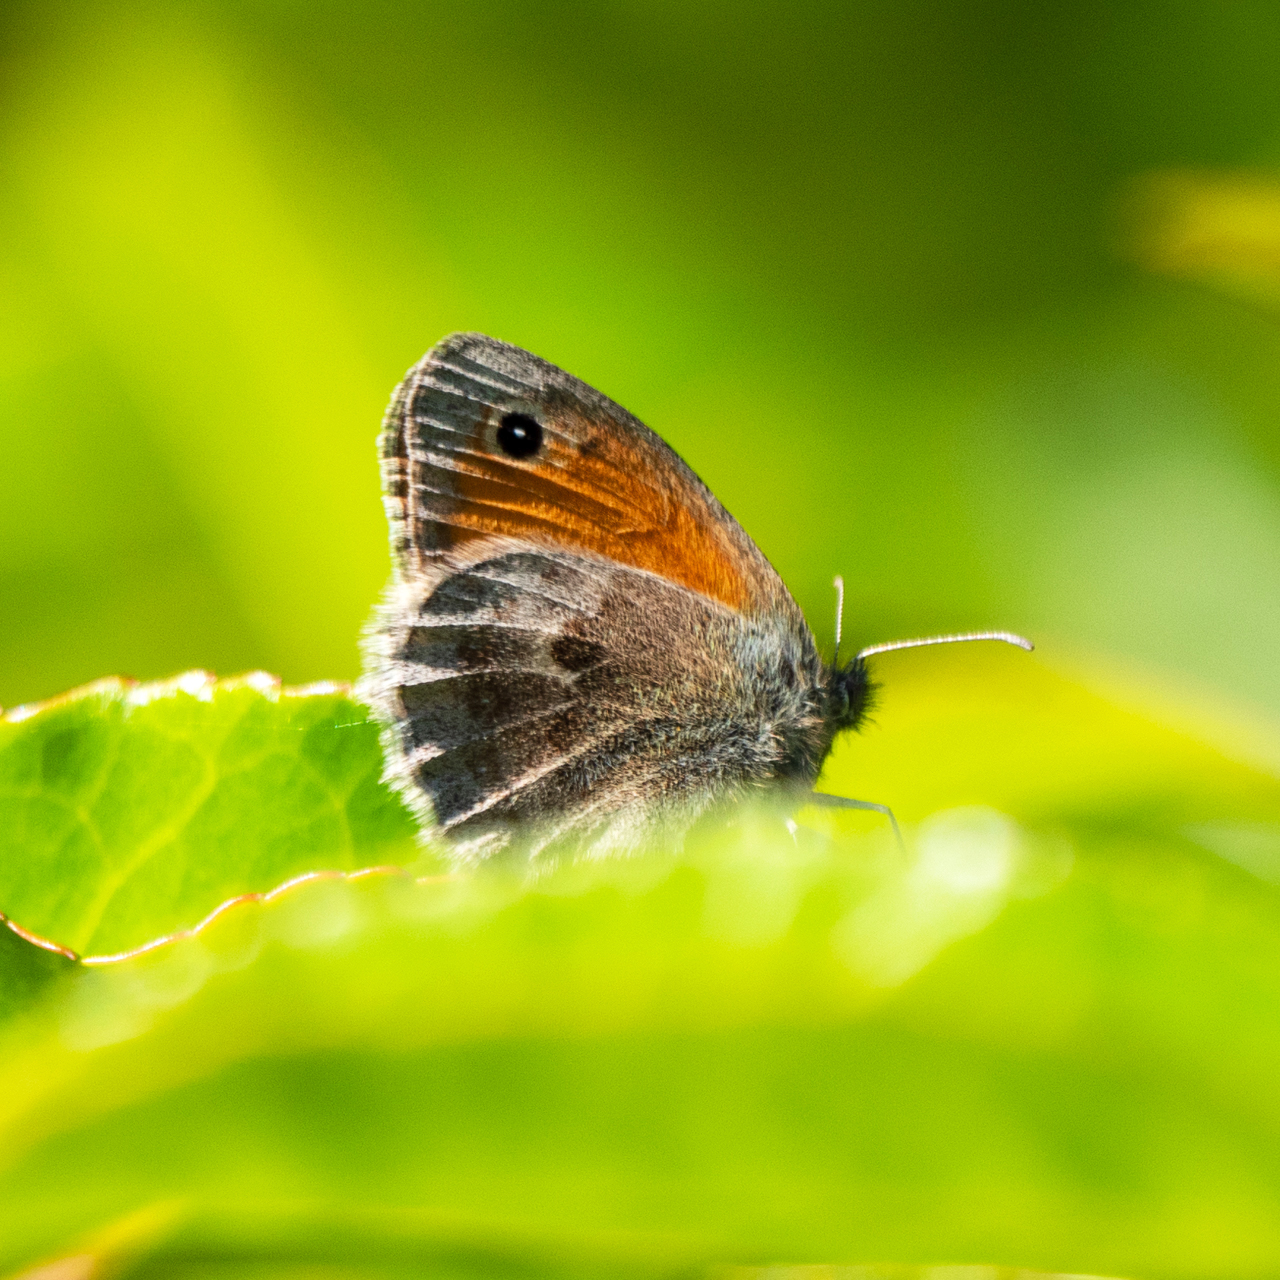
(520, 436)
(575, 654)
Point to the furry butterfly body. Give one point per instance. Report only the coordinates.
(579, 645)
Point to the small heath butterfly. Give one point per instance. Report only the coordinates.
(580, 647)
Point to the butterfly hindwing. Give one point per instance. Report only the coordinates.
(568, 697)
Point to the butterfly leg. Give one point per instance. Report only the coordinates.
(843, 802)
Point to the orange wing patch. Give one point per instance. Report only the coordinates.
(601, 482)
(601, 497)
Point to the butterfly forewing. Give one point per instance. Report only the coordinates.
(601, 481)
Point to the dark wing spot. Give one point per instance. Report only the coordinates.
(520, 435)
(575, 654)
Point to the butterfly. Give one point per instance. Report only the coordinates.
(579, 648)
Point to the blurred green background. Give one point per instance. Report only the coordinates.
(975, 303)
(955, 298)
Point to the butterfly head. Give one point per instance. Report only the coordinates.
(847, 697)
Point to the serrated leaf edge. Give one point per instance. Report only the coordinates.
(35, 939)
(241, 899)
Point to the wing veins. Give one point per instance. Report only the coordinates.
(439, 457)
(419, 755)
(516, 384)
(631, 513)
(528, 779)
(525, 780)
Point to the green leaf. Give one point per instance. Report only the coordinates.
(1045, 1035)
(135, 810)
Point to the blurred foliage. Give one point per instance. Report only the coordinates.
(971, 302)
(1221, 228)
(867, 267)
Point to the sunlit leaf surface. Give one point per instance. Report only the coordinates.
(133, 811)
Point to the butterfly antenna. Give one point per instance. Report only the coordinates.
(838, 583)
(1007, 637)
